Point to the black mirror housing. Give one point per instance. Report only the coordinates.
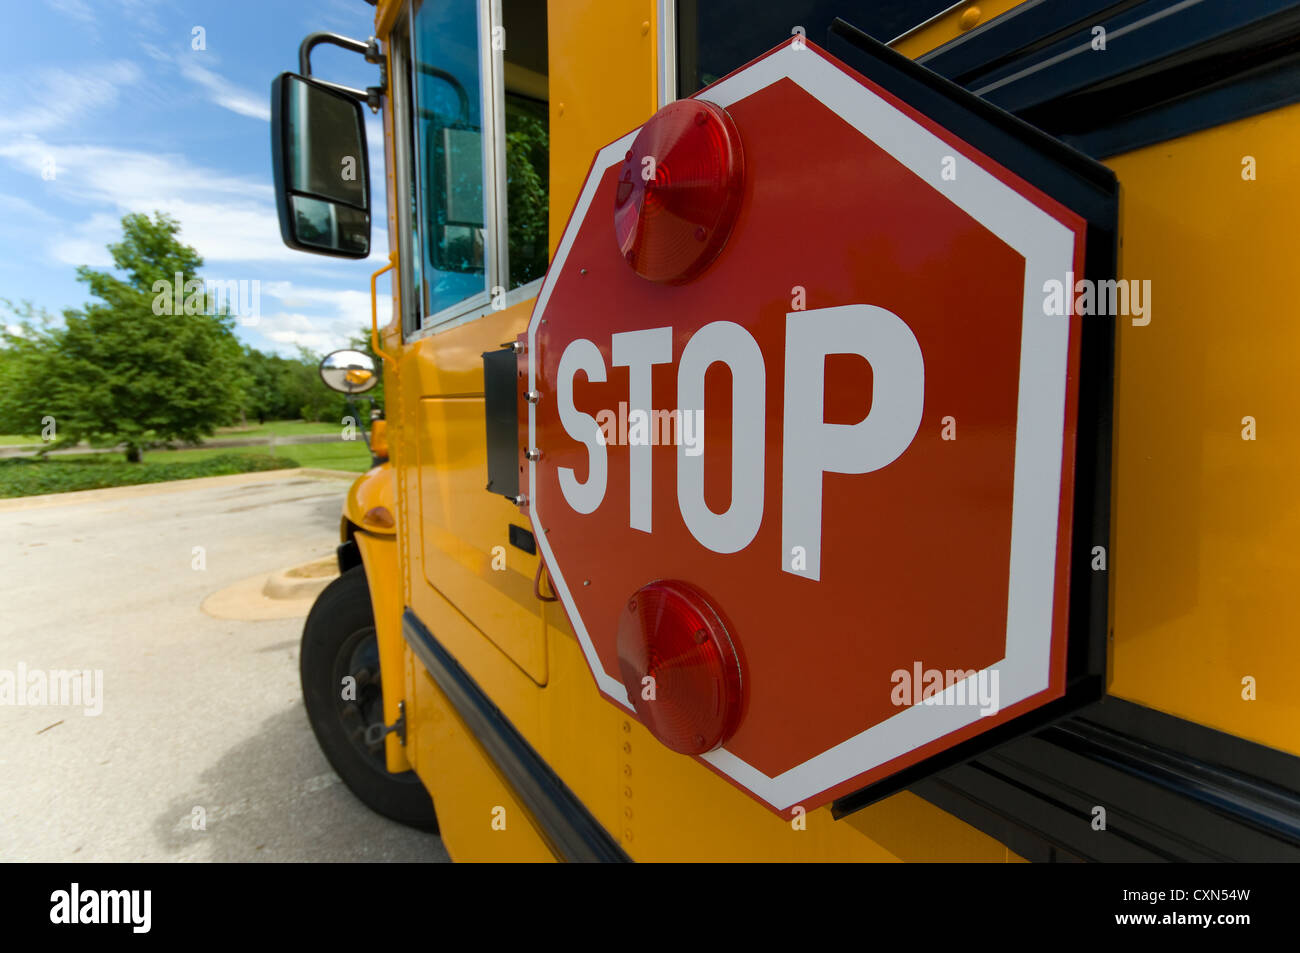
(321, 168)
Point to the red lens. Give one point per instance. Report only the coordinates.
(679, 191)
(679, 667)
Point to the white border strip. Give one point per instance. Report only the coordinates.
(667, 38)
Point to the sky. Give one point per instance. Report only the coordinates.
(119, 106)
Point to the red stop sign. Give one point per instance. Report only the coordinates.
(852, 434)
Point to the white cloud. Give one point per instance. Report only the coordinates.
(221, 91)
(87, 243)
(140, 13)
(345, 303)
(227, 218)
(341, 313)
(77, 9)
(57, 97)
(24, 210)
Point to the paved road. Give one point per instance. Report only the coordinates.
(197, 712)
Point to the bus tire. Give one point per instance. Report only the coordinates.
(338, 642)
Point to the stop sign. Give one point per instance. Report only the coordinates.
(792, 379)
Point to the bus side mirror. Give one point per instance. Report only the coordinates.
(322, 178)
(348, 372)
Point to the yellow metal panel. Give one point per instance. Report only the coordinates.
(478, 814)
(386, 13)
(379, 556)
(509, 687)
(373, 489)
(464, 534)
(914, 830)
(602, 75)
(1206, 522)
(450, 363)
(460, 529)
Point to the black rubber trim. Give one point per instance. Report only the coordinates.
(349, 555)
(1170, 67)
(1021, 31)
(1090, 190)
(568, 828)
(501, 417)
(521, 538)
(1172, 790)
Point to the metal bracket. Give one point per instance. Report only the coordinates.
(377, 733)
(371, 95)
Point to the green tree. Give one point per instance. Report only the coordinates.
(271, 391)
(127, 369)
(361, 342)
(314, 400)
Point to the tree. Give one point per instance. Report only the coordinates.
(313, 399)
(361, 342)
(131, 368)
(272, 392)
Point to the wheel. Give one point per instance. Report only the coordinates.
(339, 641)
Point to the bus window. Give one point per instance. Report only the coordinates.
(452, 230)
(527, 138)
(480, 151)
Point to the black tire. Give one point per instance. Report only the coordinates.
(339, 640)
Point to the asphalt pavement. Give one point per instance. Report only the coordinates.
(200, 750)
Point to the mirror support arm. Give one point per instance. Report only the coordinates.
(374, 311)
(371, 95)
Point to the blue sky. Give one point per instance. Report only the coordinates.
(134, 119)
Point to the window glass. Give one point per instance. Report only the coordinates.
(449, 216)
(330, 225)
(317, 159)
(527, 180)
(527, 138)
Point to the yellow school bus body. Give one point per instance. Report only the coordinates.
(1204, 559)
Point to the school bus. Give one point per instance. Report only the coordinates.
(440, 672)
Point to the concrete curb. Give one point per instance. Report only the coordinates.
(331, 474)
(168, 486)
(284, 594)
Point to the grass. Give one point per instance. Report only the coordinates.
(276, 428)
(272, 428)
(344, 455)
(27, 476)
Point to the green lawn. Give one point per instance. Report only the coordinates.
(272, 428)
(87, 471)
(277, 428)
(351, 455)
(28, 476)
